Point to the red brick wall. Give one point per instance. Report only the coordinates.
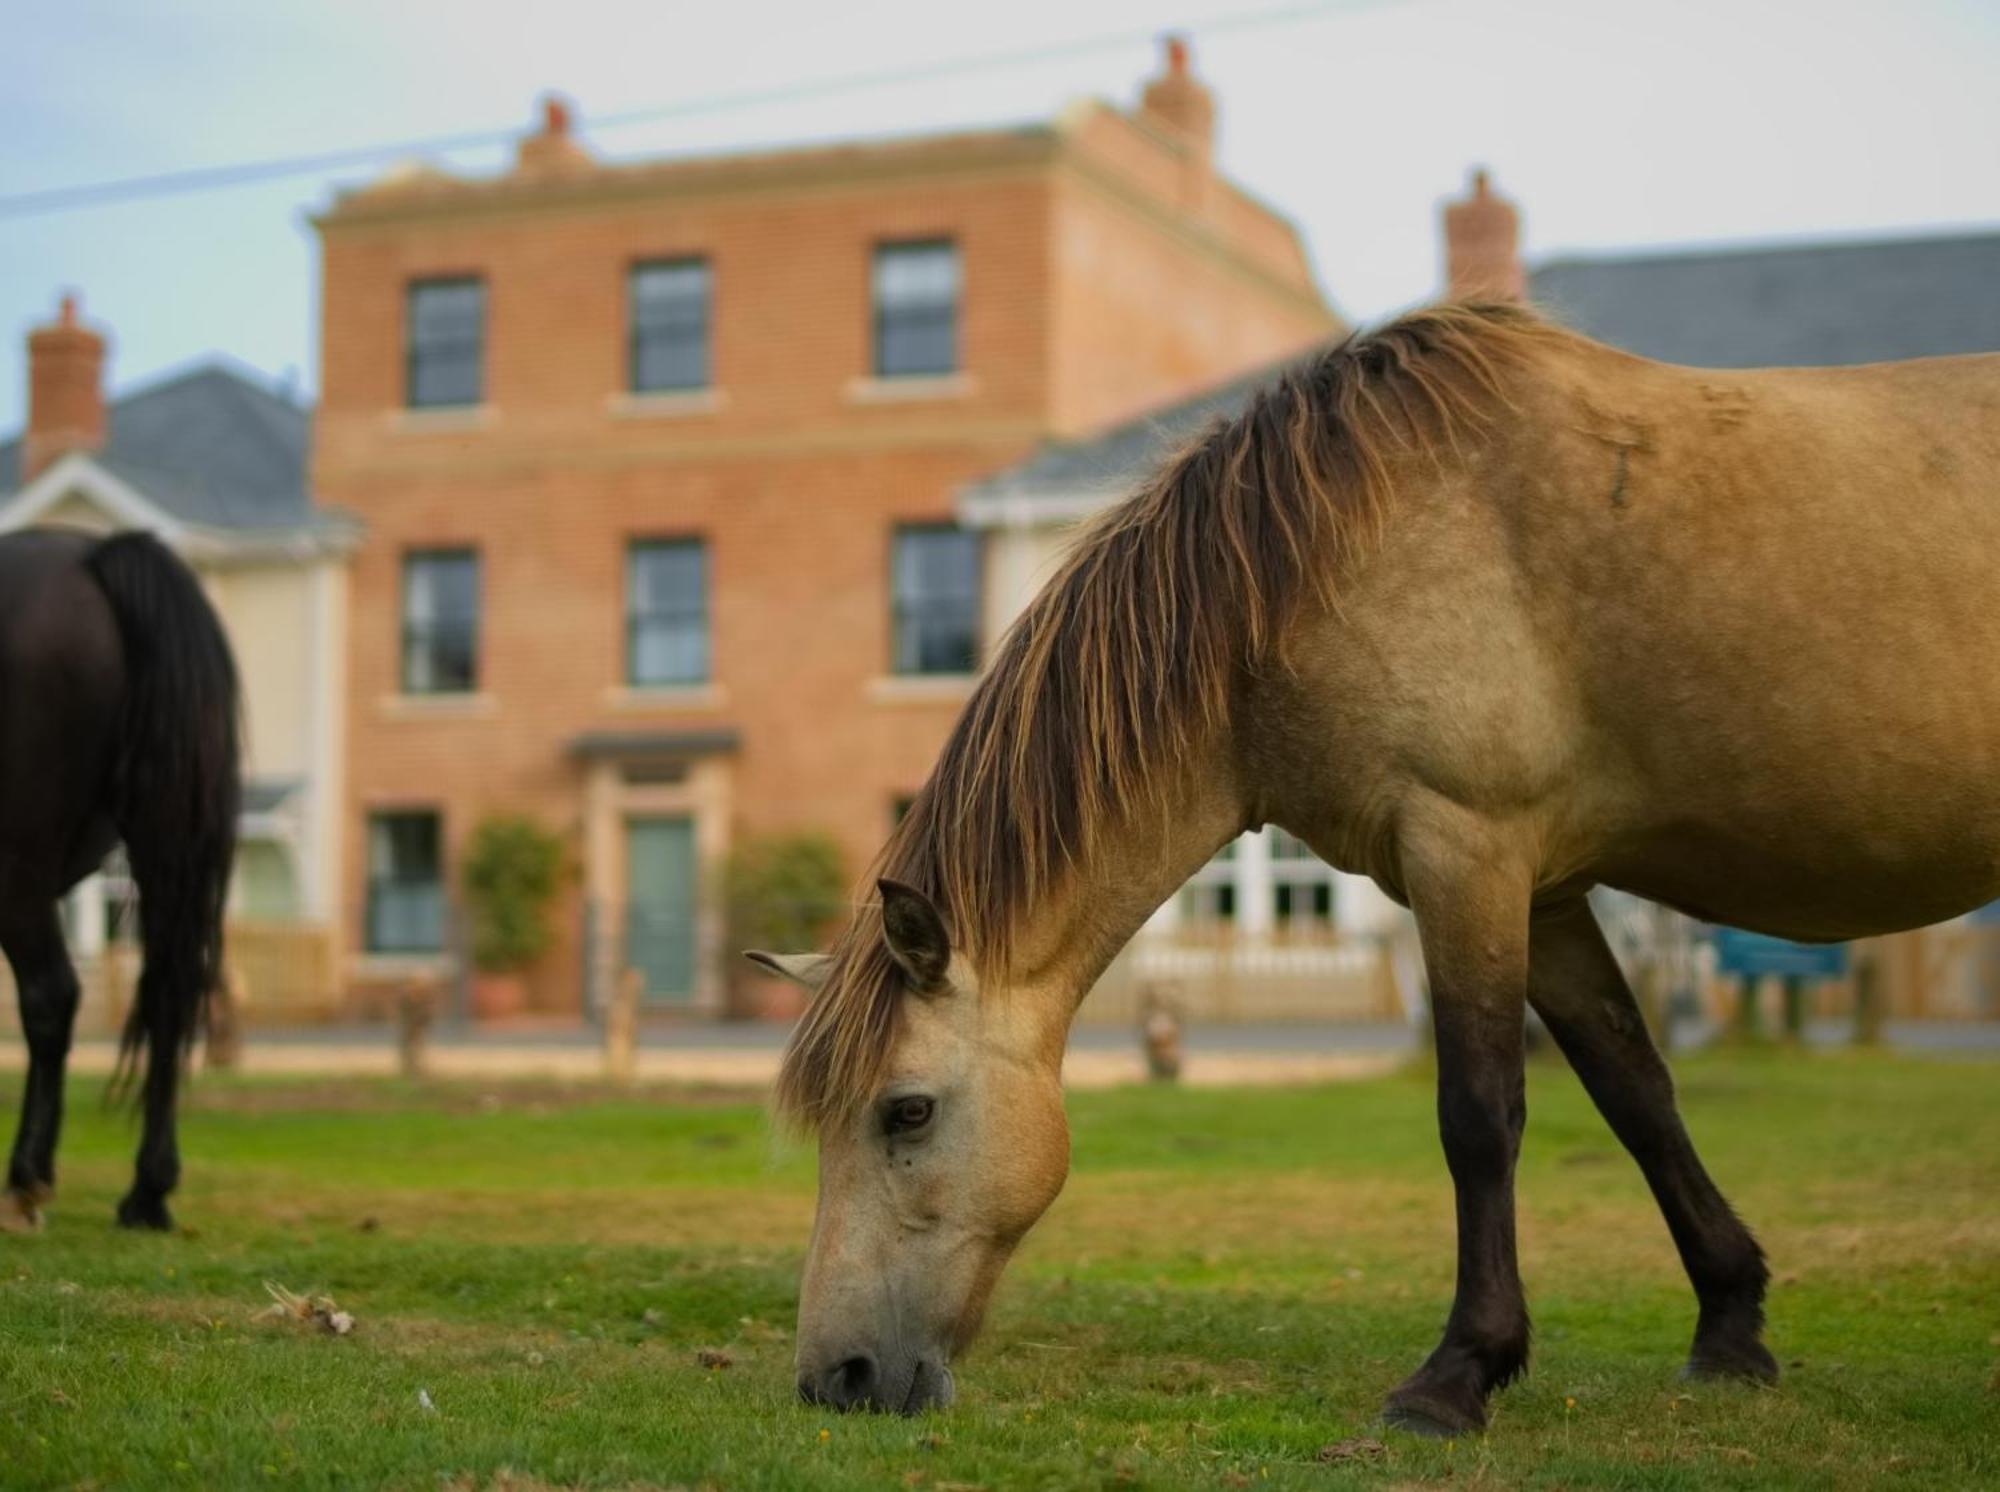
(793, 480)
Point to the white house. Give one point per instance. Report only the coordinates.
(214, 462)
(1265, 930)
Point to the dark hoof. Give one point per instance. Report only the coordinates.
(1434, 1418)
(138, 1211)
(1738, 1362)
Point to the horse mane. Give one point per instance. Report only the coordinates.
(1125, 661)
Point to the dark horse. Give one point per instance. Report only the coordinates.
(118, 721)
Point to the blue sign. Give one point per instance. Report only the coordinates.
(1753, 955)
(1988, 915)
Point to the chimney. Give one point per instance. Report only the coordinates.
(1176, 104)
(552, 151)
(1482, 246)
(65, 392)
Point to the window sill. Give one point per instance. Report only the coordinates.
(436, 706)
(922, 688)
(667, 404)
(911, 388)
(443, 420)
(665, 697)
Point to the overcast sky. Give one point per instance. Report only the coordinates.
(1616, 125)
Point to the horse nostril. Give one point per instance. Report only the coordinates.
(852, 1383)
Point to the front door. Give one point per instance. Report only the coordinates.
(659, 914)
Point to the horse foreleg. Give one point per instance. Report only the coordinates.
(1472, 911)
(1581, 995)
(46, 986)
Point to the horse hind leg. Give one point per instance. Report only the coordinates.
(46, 986)
(161, 1025)
(1581, 995)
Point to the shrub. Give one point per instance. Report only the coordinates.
(512, 870)
(785, 892)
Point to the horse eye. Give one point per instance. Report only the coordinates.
(906, 1114)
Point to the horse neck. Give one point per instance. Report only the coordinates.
(1130, 869)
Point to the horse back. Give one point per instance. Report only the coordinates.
(1726, 638)
(61, 677)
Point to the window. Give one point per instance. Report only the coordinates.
(405, 883)
(669, 311)
(446, 343)
(1208, 900)
(1301, 886)
(935, 581)
(916, 309)
(440, 621)
(666, 612)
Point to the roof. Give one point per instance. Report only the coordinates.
(211, 447)
(1810, 305)
(1805, 306)
(420, 187)
(1068, 478)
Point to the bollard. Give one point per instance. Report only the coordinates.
(1749, 1027)
(1795, 1010)
(621, 1028)
(1867, 1000)
(223, 1048)
(1160, 1035)
(416, 1008)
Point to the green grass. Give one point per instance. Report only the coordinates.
(1230, 1283)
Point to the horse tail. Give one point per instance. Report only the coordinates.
(176, 785)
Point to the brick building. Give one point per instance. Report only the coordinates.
(657, 464)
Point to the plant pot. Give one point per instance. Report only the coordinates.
(754, 997)
(496, 996)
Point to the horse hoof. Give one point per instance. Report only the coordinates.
(1745, 1362)
(20, 1213)
(1419, 1414)
(145, 1212)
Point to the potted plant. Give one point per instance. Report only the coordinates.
(512, 870)
(785, 892)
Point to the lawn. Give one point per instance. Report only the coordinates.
(1221, 1297)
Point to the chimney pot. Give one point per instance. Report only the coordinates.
(553, 150)
(1176, 104)
(65, 391)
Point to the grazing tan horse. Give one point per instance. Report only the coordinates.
(1490, 613)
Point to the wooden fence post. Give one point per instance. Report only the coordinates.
(223, 1042)
(621, 1028)
(416, 1008)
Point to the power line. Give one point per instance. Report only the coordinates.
(244, 173)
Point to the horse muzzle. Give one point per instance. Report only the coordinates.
(862, 1382)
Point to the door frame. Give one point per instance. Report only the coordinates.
(698, 787)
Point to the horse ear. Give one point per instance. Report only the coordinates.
(915, 934)
(808, 970)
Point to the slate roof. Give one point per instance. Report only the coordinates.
(1111, 463)
(1806, 306)
(210, 446)
(1811, 305)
